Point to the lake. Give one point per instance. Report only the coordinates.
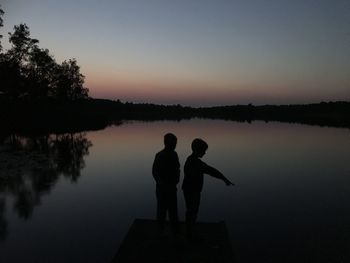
(73, 197)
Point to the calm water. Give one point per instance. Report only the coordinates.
(72, 198)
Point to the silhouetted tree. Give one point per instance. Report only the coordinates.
(28, 71)
(69, 82)
(13, 64)
(22, 43)
(41, 71)
(12, 81)
(1, 25)
(9, 70)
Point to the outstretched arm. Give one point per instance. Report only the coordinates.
(217, 174)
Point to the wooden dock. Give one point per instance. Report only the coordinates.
(144, 243)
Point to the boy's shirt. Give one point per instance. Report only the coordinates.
(194, 170)
(166, 168)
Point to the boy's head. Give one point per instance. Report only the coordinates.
(199, 147)
(170, 141)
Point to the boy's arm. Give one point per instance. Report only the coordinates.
(217, 174)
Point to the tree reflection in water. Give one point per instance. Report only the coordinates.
(31, 166)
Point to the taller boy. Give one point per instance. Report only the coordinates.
(166, 172)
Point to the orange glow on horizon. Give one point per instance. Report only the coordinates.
(140, 87)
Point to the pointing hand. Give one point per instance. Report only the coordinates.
(228, 182)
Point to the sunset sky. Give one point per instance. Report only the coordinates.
(197, 52)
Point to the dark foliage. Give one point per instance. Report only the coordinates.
(336, 114)
(29, 72)
(52, 115)
(1, 25)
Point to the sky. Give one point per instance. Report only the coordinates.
(197, 52)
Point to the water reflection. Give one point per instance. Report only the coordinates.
(291, 202)
(31, 166)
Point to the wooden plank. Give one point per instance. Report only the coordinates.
(144, 243)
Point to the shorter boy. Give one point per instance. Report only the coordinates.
(194, 171)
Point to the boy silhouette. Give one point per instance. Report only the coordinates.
(192, 185)
(166, 172)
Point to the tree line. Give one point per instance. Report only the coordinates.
(30, 72)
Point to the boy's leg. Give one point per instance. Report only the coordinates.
(192, 200)
(161, 208)
(173, 213)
